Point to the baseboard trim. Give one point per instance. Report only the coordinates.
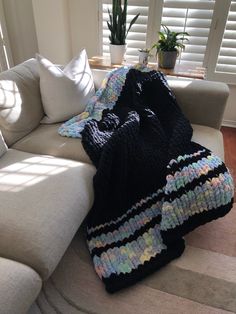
(229, 123)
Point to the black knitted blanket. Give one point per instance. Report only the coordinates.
(152, 185)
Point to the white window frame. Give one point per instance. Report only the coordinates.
(219, 21)
(6, 60)
(154, 21)
(216, 34)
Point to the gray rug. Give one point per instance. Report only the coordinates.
(202, 280)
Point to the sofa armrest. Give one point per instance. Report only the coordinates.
(203, 102)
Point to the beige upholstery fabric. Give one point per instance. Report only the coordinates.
(43, 201)
(19, 287)
(46, 140)
(203, 102)
(210, 138)
(20, 101)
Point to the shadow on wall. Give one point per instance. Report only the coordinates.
(81, 77)
(10, 99)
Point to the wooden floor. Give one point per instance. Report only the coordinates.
(229, 135)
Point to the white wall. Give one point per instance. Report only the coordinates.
(21, 29)
(53, 29)
(84, 26)
(64, 27)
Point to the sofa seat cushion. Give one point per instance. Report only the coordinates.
(46, 140)
(210, 138)
(43, 201)
(19, 287)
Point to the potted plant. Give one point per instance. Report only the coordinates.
(117, 25)
(168, 47)
(144, 54)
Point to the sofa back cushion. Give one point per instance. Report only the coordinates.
(20, 102)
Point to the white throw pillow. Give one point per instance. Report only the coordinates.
(65, 92)
(3, 145)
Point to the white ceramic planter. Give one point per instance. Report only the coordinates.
(143, 57)
(117, 53)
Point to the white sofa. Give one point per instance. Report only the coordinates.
(46, 180)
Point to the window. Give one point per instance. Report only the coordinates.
(222, 57)
(137, 36)
(211, 25)
(5, 55)
(226, 62)
(193, 17)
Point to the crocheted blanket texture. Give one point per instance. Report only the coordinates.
(153, 184)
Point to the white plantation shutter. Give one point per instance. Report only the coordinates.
(226, 62)
(211, 25)
(137, 36)
(195, 18)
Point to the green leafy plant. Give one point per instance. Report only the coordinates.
(170, 41)
(117, 22)
(147, 50)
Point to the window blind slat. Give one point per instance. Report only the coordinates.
(233, 7)
(226, 59)
(139, 36)
(231, 52)
(131, 10)
(136, 28)
(193, 17)
(226, 68)
(196, 14)
(142, 20)
(195, 49)
(190, 4)
(140, 3)
(228, 43)
(132, 43)
(231, 25)
(194, 40)
(226, 62)
(197, 23)
(229, 34)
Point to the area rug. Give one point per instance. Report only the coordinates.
(202, 280)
